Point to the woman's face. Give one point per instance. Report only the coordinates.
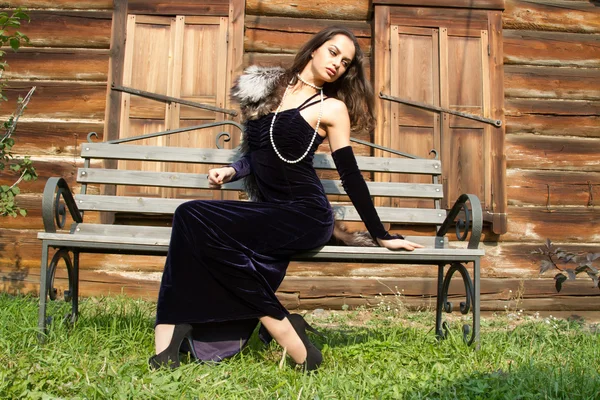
(332, 59)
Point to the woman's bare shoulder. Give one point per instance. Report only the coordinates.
(334, 109)
(333, 104)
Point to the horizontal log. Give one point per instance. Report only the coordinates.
(82, 29)
(339, 10)
(477, 4)
(33, 204)
(57, 100)
(179, 7)
(553, 188)
(551, 15)
(263, 41)
(561, 224)
(268, 59)
(455, 20)
(552, 152)
(310, 293)
(53, 138)
(46, 168)
(553, 125)
(64, 4)
(502, 289)
(518, 107)
(286, 61)
(304, 25)
(557, 49)
(92, 283)
(57, 64)
(551, 82)
(567, 304)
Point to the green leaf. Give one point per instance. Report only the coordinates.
(23, 212)
(22, 15)
(16, 190)
(559, 278)
(581, 268)
(15, 43)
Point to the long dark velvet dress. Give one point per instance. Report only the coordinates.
(226, 259)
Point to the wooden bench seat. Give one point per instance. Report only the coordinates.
(142, 238)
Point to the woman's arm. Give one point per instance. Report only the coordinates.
(338, 132)
(230, 173)
(242, 168)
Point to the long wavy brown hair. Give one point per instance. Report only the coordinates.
(353, 88)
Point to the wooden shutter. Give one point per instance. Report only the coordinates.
(183, 57)
(148, 66)
(200, 76)
(464, 86)
(414, 60)
(445, 58)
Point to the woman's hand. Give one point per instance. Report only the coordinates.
(398, 244)
(219, 176)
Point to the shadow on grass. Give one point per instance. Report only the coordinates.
(536, 381)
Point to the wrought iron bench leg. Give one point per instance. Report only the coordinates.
(43, 292)
(472, 292)
(47, 290)
(75, 288)
(439, 333)
(476, 303)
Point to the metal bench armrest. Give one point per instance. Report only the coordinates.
(473, 220)
(53, 209)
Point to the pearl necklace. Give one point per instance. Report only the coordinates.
(316, 128)
(312, 85)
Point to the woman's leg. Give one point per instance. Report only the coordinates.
(163, 333)
(283, 332)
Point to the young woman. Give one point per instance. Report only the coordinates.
(227, 258)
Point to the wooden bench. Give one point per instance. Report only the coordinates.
(84, 237)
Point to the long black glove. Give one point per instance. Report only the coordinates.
(356, 188)
(242, 168)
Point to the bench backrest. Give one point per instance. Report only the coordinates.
(90, 174)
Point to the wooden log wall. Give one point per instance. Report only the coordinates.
(67, 61)
(552, 105)
(552, 89)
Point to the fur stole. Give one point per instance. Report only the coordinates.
(257, 92)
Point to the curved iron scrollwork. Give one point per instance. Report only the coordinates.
(472, 222)
(56, 200)
(462, 226)
(63, 254)
(225, 135)
(60, 211)
(465, 306)
(90, 135)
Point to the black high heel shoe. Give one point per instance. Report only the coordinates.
(169, 357)
(314, 358)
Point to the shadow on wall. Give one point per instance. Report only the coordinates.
(13, 276)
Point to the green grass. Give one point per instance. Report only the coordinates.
(369, 354)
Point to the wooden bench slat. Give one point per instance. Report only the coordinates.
(160, 236)
(167, 206)
(200, 181)
(390, 189)
(226, 156)
(164, 233)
